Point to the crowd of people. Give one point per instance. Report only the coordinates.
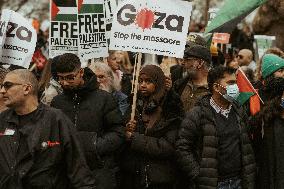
(66, 126)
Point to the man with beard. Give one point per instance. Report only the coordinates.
(273, 74)
(177, 71)
(196, 62)
(107, 82)
(95, 115)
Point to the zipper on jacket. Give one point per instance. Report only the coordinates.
(76, 109)
(146, 176)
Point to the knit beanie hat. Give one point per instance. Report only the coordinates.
(198, 51)
(158, 78)
(270, 64)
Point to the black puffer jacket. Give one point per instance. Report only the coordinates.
(149, 158)
(97, 118)
(198, 143)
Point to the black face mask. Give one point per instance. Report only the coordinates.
(274, 86)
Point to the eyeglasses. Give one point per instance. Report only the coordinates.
(7, 85)
(70, 77)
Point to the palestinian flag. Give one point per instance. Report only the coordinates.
(91, 6)
(248, 92)
(231, 14)
(63, 10)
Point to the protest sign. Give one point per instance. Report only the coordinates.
(5, 17)
(151, 27)
(17, 39)
(221, 38)
(263, 43)
(110, 8)
(92, 29)
(63, 27)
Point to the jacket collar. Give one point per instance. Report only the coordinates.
(218, 109)
(12, 117)
(204, 102)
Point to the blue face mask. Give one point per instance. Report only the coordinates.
(282, 102)
(232, 92)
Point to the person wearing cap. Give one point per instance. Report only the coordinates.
(196, 62)
(268, 127)
(148, 160)
(177, 71)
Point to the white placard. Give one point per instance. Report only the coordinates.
(110, 8)
(17, 39)
(92, 30)
(63, 32)
(155, 27)
(263, 42)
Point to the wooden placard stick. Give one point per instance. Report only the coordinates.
(33, 67)
(133, 74)
(137, 72)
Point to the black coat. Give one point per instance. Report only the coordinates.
(99, 124)
(268, 140)
(49, 156)
(149, 158)
(198, 144)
